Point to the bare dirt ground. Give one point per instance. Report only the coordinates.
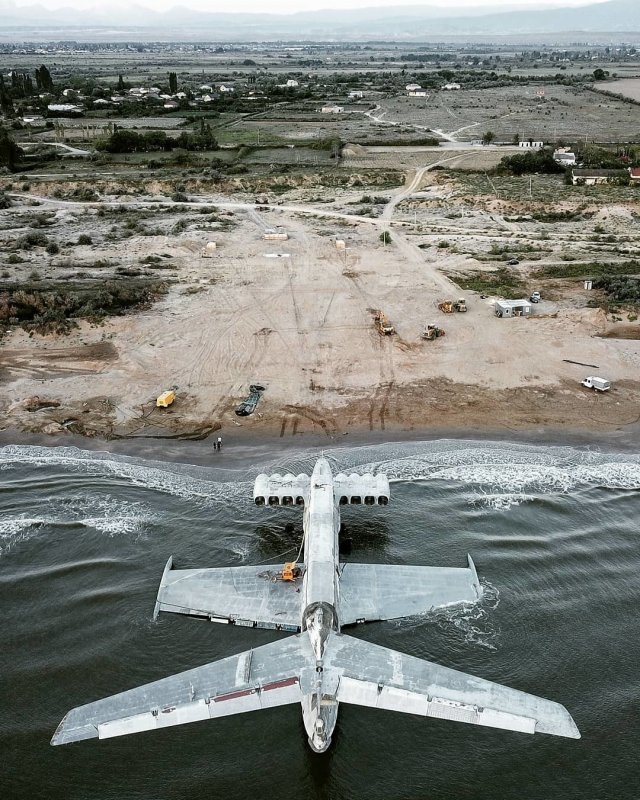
(297, 315)
(301, 323)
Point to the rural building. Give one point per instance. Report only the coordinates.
(513, 308)
(591, 177)
(332, 109)
(634, 174)
(451, 87)
(278, 235)
(357, 95)
(419, 93)
(64, 108)
(563, 155)
(171, 105)
(205, 88)
(413, 87)
(529, 144)
(291, 84)
(33, 119)
(225, 88)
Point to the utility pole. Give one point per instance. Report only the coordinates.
(530, 179)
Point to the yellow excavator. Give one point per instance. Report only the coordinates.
(385, 328)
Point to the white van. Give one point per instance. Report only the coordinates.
(599, 384)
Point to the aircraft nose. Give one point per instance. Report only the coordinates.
(322, 468)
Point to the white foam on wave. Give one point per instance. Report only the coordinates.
(168, 479)
(500, 502)
(506, 475)
(474, 622)
(108, 516)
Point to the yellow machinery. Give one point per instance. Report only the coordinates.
(290, 571)
(166, 399)
(432, 332)
(446, 307)
(385, 328)
(460, 305)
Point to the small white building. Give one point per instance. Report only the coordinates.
(275, 234)
(332, 109)
(413, 87)
(451, 87)
(205, 88)
(564, 156)
(513, 308)
(529, 144)
(64, 108)
(171, 105)
(419, 93)
(291, 83)
(357, 95)
(225, 88)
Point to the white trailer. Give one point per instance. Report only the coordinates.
(599, 384)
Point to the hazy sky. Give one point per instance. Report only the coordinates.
(291, 6)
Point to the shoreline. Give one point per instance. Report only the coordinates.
(238, 446)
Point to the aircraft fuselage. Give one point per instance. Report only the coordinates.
(320, 590)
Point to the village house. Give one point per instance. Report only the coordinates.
(592, 177)
(563, 155)
(451, 87)
(529, 144)
(634, 174)
(332, 109)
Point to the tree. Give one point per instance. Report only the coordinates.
(120, 85)
(10, 153)
(488, 137)
(599, 74)
(385, 237)
(173, 83)
(44, 82)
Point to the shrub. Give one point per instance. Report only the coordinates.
(53, 249)
(84, 238)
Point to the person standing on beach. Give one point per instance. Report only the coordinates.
(219, 442)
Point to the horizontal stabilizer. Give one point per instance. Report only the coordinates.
(377, 677)
(281, 490)
(370, 592)
(262, 678)
(355, 489)
(247, 596)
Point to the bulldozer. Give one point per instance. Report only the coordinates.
(446, 307)
(432, 332)
(385, 328)
(460, 305)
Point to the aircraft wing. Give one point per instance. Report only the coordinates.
(262, 678)
(375, 676)
(371, 592)
(249, 596)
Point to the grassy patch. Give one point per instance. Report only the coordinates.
(589, 270)
(501, 282)
(54, 306)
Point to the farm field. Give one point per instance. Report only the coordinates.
(629, 87)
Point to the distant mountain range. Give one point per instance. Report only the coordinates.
(405, 24)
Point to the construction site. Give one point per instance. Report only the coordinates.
(341, 327)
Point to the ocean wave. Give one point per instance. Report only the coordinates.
(108, 516)
(177, 480)
(500, 502)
